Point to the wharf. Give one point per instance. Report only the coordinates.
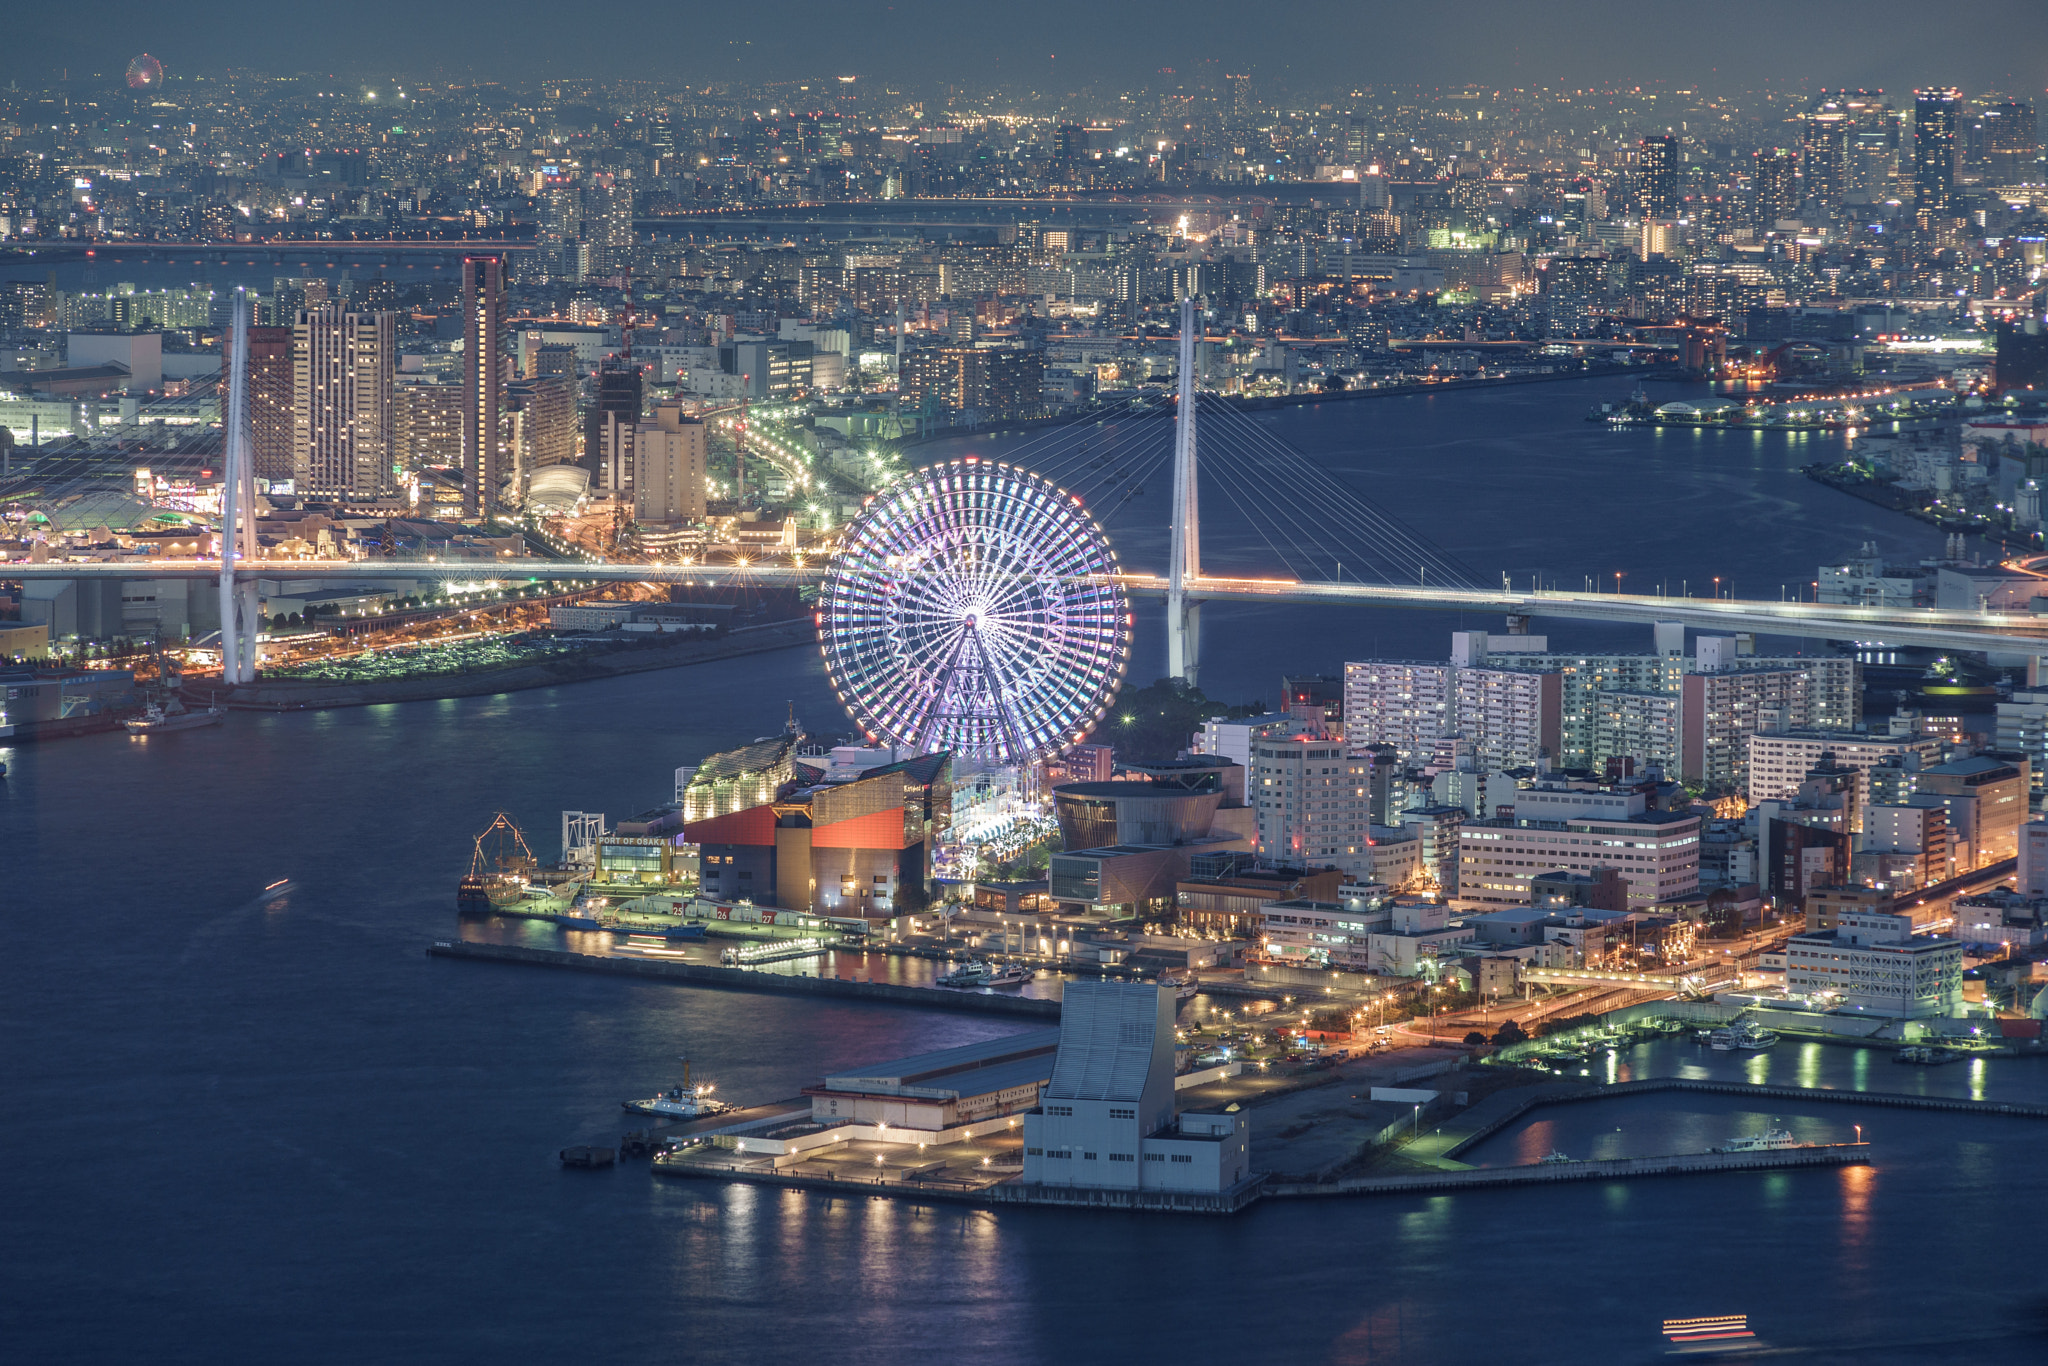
(1603, 1169)
(740, 979)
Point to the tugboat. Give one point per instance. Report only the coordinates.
(972, 973)
(686, 1101)
(166, 709)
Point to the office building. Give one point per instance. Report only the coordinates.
(659, 464)
(1106, 1119)
(344, 442)
(271, 407)
(1824, 155)
(1872, 963)
(1657, 176)
(1905, 847)
(1559, 829)
(483, 377)
(1935, 113)
(618, 399)
(1985, 797)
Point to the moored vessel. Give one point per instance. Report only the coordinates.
(688, 1100)
(1769, 1141)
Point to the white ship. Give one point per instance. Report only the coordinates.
(972, 973)
(686, 1101)
(158, 717)
(1769, 1141)
(1013, 975)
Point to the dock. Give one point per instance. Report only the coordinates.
(740, 979)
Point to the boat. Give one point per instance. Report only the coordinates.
(165, 708)
(1722, 1041)
(171, 714)
(1769, 1141)
(572, 921)
(588, 1155)
(500, 870)
(1013, 975)
(685, 931)
(1748, 1034)
(1556, 1155)
(686, 1101)
(1926, 1057)
(1186, 985)
(972, 973)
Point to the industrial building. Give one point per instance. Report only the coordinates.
(933, 1092)
(1107, 1118)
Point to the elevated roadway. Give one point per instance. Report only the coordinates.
(2019, 633)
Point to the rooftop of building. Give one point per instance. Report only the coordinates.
(947, 1067)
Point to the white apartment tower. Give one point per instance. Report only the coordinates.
(344, 434)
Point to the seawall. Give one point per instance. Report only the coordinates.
(739, 979)
(1543, 1173)
(287, 695)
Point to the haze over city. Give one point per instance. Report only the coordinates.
(1346, 684)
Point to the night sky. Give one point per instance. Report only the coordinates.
(1727, 46)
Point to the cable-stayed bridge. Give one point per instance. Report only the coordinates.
(1290, 532)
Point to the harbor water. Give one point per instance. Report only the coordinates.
(241, 1128)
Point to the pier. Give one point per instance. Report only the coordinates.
(740, 979)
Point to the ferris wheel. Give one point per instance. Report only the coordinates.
(972, 608)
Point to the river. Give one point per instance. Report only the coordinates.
(242, 1130)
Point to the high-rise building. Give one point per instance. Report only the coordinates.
(343, 435)
(271, 404)
(483, 377)
(2011, 141)
(1311, 802)
(1774, 192)
(427, 419)
(1824, 154)
(619, 395)
(660, 464)
(540, 422)
(995, 383)
(1657, 176)
(1934, 148)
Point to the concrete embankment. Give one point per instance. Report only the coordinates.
(740, 979)
(1683, 1164)
(290, 695)
(1746, 1090)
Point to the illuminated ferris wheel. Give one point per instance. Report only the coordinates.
(971, 608)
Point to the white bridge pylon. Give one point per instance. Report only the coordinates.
(1183, 617)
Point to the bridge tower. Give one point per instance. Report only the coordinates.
(238, 600)
(1183, 618)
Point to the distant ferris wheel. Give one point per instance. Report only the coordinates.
(973, 608)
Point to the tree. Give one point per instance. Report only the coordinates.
(1333, 384)
(1475, 1038)
(1155, 723)
(1508, 1033)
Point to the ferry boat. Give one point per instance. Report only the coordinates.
(172, 714)
(685, 931)
(685, 1101)
(1722, 1040)
(1769, 1141)
(972, 973)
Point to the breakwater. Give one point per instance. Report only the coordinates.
(1600, 1169)
(1747, 1090)
(288, 695)
(739, 979)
